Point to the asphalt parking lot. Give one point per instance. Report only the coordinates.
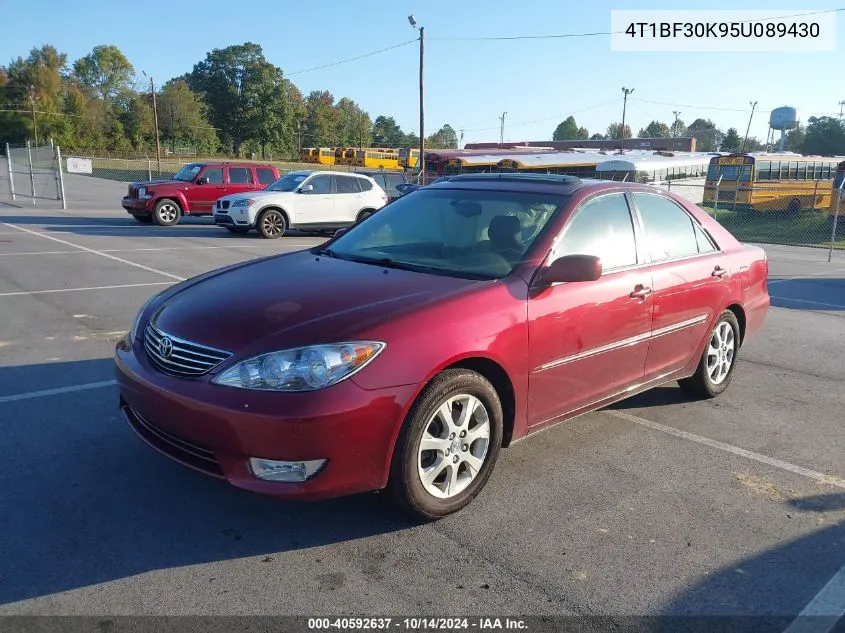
(655, 506)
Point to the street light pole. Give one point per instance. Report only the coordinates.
(155, 116)
(748, 129)
(674, 128)
(624, 107)
(502, 129)
(422, 107)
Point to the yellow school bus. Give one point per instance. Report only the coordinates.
(326, 155)
(377, 158)
(345, 156)
(408, 158)
(838, 194)
(769, 182)
(307, 154)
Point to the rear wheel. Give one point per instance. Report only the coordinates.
(448, 445)
(271, 224)
(167, 212)
(364, 215)
(240, 230)
(718, 361)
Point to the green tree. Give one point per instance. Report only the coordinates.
(230, 81)
(355, 126)
(387, 133)
(732, 142)
(754, 145)
(444, 138)
(655, 129)
(794, 141)
(271, 117)
(322, 119)
(105, 71)
(597, 137)
(568, 130)
(707, 137)
(614, 130)
(183, 118)
(678, 128)
(825, 136)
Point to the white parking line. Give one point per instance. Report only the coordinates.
(45, 292)
(53, 392)
(823, 612)
(815, 303)
(764, 459)
(101, 254)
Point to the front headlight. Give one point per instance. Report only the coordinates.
(243, 202)
(301, 369)
(142, 191)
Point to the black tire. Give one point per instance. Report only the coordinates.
(167, 212)
(701, 385)
(363, 215)
(405, 485)
(240, 230)
(144, 219)
(271, 224)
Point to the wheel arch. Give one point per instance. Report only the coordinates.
(273, 207)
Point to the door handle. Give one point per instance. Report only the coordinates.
(640, 292)
(221, 186)
(251, 187)
(719, 272)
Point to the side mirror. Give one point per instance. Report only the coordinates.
(202, 181)
(340, 232)
(306, 188)
(571, 268)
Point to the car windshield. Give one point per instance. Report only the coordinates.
(462, 233)
(187, 173)
(288, 182)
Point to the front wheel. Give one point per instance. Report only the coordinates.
(718, 361)
(167, 212)
(271, 224)
(448, 445)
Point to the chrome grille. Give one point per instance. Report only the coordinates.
(185, 358)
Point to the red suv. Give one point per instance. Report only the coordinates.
(193, 190)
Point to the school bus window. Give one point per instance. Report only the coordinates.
(764, 170)
(802, 171)
(713, 172)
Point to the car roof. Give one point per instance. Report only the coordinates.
(236, 164)
(527, 182)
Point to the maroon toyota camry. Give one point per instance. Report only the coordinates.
(405, 352)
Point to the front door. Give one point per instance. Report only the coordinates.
(589, 340)
(690, 278)
(206, 189)
(316, 207)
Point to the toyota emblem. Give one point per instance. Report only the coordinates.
(165, 347)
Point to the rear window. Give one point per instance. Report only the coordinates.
(346, 184)
(266, 176)
(240, 175)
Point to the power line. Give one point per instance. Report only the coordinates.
(352, 59)
(596, 33)
(548, 118)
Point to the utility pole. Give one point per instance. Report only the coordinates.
(626, 92)
(461, 142)
(155, 116)
(748, 129)
(422, 109)
(34, 123)
(674, 128)
(172, 129)
(502, 129)
(841, 105)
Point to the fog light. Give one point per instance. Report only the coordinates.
(273, 470)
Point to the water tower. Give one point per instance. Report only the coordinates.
(783, 119)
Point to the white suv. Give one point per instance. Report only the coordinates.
(310, 200)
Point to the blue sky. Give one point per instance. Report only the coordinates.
(468, 83)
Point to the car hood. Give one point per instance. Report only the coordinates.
(255, 194)
(167, 182)
(296, 299)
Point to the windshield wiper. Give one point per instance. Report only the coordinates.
(327, 252)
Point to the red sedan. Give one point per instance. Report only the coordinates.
(406, 351)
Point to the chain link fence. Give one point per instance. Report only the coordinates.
(35, 173)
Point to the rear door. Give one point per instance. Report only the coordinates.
(203, 192)
(240, 179)
(349, 198)
(265, 176)
(690, 281)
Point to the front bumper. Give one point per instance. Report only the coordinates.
(215, 429)
(136, 206)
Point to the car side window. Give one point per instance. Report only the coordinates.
(240, 175)
(322, 184)
(705, 242)
(265, 176)
(345, 184)
(214, 175)
(365, 184)
(602, 227)
(670, 231)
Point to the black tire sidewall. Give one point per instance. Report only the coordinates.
(259, 224)
(405, 481)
